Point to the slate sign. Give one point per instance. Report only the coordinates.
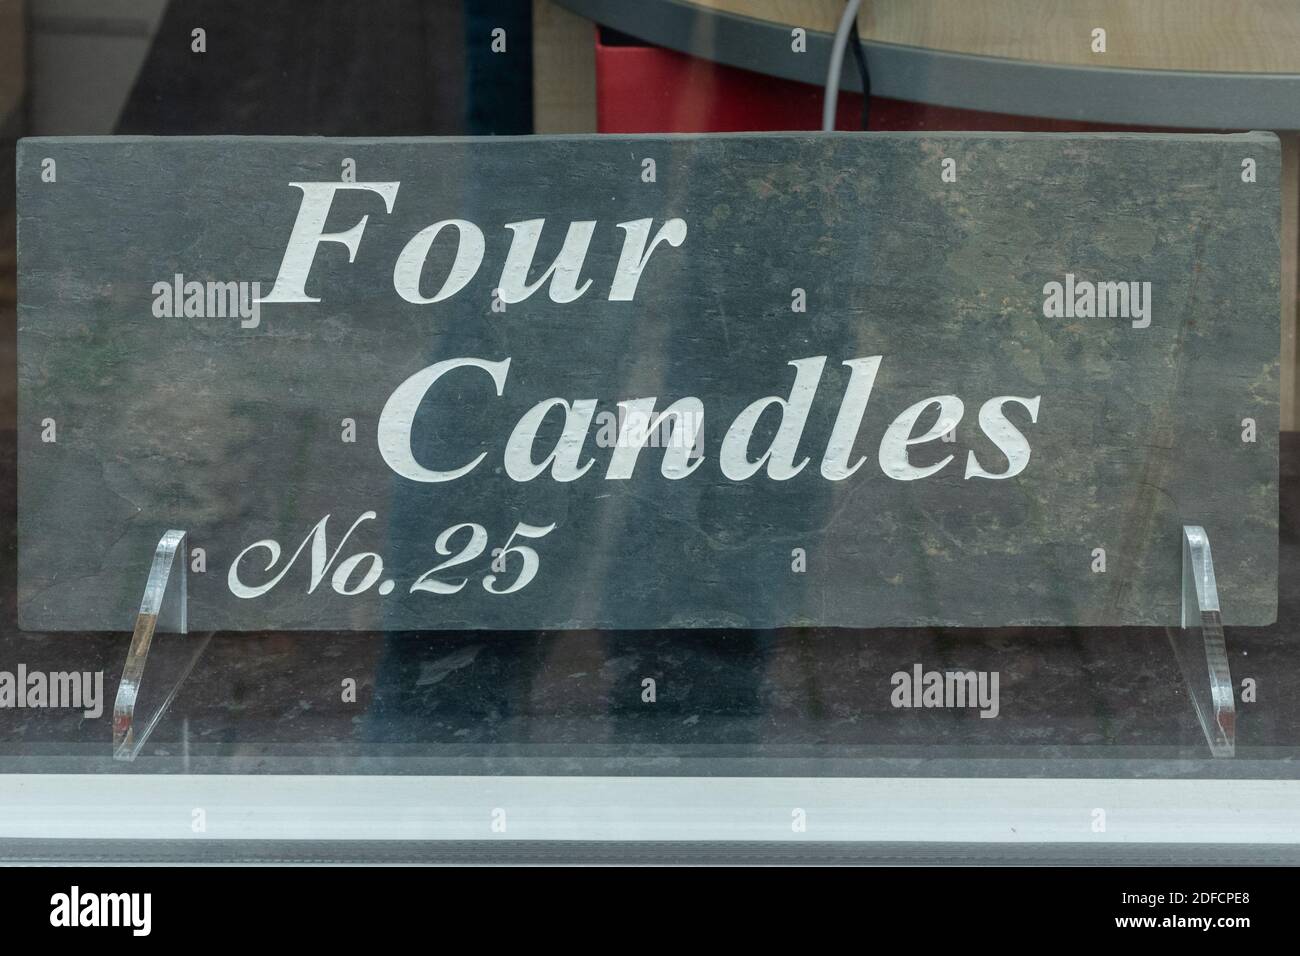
(854, 380)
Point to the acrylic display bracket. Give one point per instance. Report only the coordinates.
(1199, 646)
(162, 612)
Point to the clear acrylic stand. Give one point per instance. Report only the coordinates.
(1200, 649)
(1198, 646)
(162, 612)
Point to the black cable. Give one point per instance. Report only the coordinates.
(861, 59)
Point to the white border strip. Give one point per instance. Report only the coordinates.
(884, 809)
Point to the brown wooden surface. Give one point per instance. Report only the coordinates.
(1247, 36)
(564, 70)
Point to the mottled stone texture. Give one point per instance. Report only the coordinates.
(233, 434)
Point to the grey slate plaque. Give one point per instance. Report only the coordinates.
(1103, 307)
